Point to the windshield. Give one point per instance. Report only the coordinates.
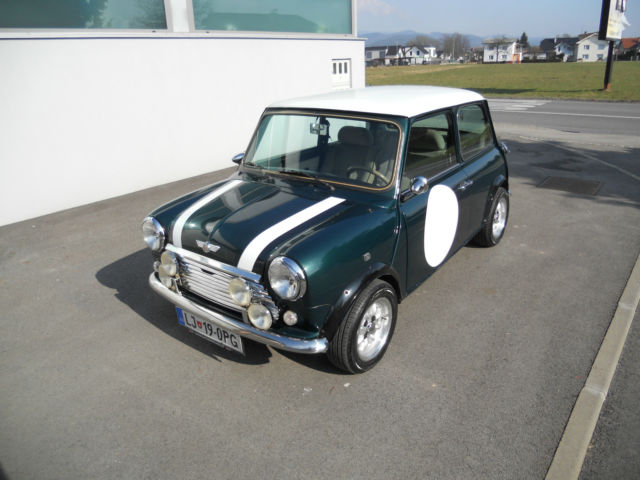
(355, 151)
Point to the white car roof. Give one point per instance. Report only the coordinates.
(400, 100)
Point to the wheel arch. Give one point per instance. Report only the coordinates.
(353, 291)
(501, 181)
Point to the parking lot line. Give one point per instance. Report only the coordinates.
(570, 454)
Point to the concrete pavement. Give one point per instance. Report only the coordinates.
(489, 355)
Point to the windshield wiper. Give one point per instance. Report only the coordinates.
(310, 176)
(261, 170)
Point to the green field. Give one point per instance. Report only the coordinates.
(527, 80)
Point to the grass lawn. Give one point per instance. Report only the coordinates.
(527, 80)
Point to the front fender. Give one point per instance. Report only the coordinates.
(353, 290)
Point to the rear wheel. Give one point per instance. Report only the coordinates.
(495, 224)
(364, 335)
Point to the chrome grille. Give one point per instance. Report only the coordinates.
(207, 282)
(210, 280)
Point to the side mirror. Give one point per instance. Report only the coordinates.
(238, 158)
(418, 185)
(504, 148)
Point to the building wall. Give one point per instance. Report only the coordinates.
(89, 113)
(88, 119)
(594, 49)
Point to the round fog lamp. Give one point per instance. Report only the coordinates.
(240, 291)
(166, 281)
(260, 316)
(168, 263)
(290, 318)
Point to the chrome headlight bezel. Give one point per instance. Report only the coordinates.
(153, 234)
(287, 279)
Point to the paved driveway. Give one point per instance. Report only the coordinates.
(97, 380)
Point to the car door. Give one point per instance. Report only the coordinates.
(481, 162)
(431, 218)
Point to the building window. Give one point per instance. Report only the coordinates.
(341, 77)
(369, 55)
(586, 47)
(490, 57)
(585, 56)
(600, 56)
(600, 47)
(304, 16)
(125, 14)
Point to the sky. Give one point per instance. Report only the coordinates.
(539, 18)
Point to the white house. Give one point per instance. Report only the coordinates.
(375, 55)
(395, 55)
(566, 47)
(100, 99)
(501, 50)
(590, 49)
(430, 54)
(414, 55)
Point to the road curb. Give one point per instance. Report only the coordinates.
(569, 456)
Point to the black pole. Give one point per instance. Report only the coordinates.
(607, 72)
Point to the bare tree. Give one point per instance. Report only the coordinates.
(423, 41)
(456, 45)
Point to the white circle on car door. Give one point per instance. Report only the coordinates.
(440, 224)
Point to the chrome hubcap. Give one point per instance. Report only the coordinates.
(374, 329)
(499, 219)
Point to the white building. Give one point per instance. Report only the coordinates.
(590, 49)
(566, 48)
(105, 98)
(501, 50)
(375, 56)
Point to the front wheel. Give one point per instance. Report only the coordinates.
(364, 335)
(495, 224)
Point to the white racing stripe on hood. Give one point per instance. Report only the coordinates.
(184, 216)
(258, 244)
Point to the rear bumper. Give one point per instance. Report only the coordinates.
(318, 345)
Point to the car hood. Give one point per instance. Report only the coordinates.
(239, 222)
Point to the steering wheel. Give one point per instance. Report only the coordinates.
(372, 171)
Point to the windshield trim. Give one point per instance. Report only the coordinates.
(350, 116)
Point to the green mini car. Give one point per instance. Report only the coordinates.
(341, 205)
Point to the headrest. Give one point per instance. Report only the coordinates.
(428, 141)
(355, 136)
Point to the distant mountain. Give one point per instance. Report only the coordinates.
(377, 39)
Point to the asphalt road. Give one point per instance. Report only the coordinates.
(97, 380)
(570, 116)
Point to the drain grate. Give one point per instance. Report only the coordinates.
(571, 185)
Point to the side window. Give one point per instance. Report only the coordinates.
(431, 148)
(474, 129)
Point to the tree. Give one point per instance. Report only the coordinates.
(423, 41)
(456, 45)
(524, 40)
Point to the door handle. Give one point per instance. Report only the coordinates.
(464, 185)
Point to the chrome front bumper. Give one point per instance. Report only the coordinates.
(318, 345)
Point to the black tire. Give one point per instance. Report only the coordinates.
(374, 329)
(494, 226)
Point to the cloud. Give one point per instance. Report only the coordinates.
(377, 8)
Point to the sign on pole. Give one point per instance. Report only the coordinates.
(612, 20)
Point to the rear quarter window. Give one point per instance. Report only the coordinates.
(475, 131)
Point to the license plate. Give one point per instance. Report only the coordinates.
(213, 332)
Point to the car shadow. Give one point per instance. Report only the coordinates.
(129, 276)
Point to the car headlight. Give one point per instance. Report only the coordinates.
(153, 234)
(287, 279)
